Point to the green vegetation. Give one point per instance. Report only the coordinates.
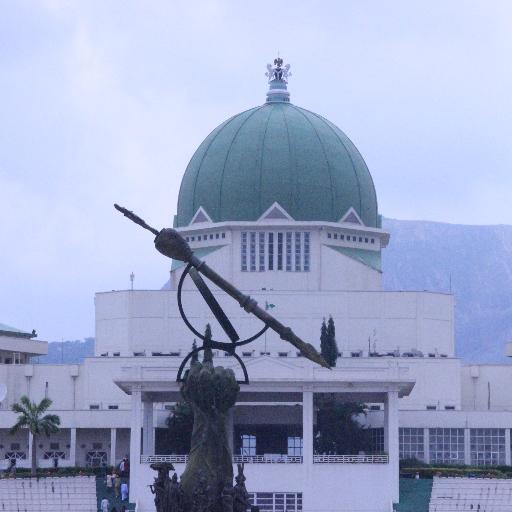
(337, 429)
(328, 346)
(32, 417)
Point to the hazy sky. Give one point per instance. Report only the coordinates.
(105, 102)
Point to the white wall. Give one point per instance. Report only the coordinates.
(487, 387)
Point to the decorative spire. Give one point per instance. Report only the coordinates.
(277, 79)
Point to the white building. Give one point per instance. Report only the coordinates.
(280, 202)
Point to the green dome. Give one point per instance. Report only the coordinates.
(277, 153)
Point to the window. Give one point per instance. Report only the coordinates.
(199, 238)
(223, 235)
(283, 354)
(95, 459)
(288, 252)
(264, 353)
(366, 240)
(306, 252)
(252, 251)
(411, 443)
(355, 354)
(271, 251)
(487, 446)
(192, 238)
(248, 445)
(15, 446)
(211, 237)
(297, 252)
(216, 235)
(342, 237)
(276, 501)
(243, 254)
(113, 407)
(377, 440)
(449, 407)
(328, 235)
(431, 407)
(116, 354)
(246, 354)
(372, 240)
(279, 251)
(295, 446)
(335, 236)
(354, 239)
(261, 256)
(186, 238)
(54, 446)
(94, 407)
(446, 445)
(360, 238)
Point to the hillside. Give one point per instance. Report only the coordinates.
(476, 261)
(67, 352)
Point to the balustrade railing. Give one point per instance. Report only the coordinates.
(277, 459)
(351, 459)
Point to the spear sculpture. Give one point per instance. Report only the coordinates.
(170, 243)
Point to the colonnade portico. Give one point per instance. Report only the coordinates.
(307, 475)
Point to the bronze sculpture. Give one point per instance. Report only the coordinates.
(207, 483)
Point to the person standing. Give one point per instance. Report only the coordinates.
(109, 482)
(117, 485)
(104, 504)
(124, 491)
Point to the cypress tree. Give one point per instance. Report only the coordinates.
(324, 342)
(332, 347)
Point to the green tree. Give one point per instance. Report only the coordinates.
(328, 346)
(332, 346)
(180, 423)
(208, 355)
(32, 417)
(337, 431)
(324, 349)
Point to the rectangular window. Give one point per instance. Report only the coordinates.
(295, 446)
(252, 251)
(248, 444)
(306, 252)
(328, 235)
(288, 252)
(113, 407)
(446, 445)
(487, 446)
(261, 255)
(271, 251)
(342, 237)
(94, 407)
(243, 252)
(297, 252)
(377, 440)
(411, 443)
(279, 251)
(335, 236)
(15, 446)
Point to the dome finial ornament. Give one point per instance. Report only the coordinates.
(278, 78)
(278, 72)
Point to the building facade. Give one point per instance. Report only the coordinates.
(280, 202)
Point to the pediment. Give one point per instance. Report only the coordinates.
(276, 212)
(352, 217)
(200, 217)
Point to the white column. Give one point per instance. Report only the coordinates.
(72, 446)
(113, 442)
(507, 446)
(30, 448)
(426, 445)
(135, 436)
(307, 449)
(467, 447)
(392, 441)
(148, 436)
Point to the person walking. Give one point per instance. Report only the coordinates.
(124, 491)
(104, 504)
(117, 485)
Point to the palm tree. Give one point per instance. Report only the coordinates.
(31, 417)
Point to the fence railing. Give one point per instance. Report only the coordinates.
(351, 459)
(277, 459)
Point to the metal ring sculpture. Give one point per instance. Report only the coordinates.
(227, 347)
